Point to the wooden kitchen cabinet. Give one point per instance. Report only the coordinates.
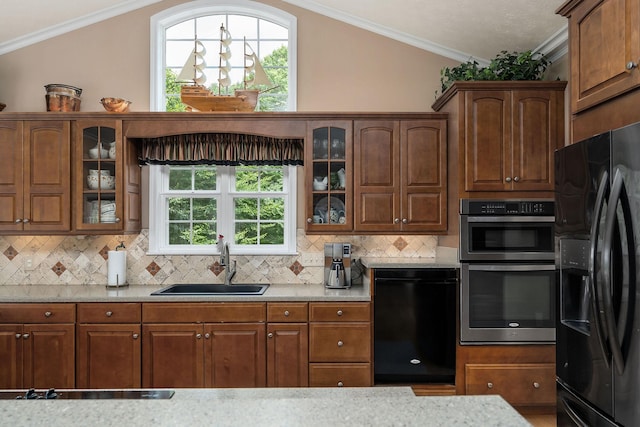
(524, 375)
(328, 172)
(400, 176)
(37, 346)
(106, 179)
(340, 345)
(287, 344)
(108, 345)
(604, 46)
(204, 345)
(502, 137)
(35, 176)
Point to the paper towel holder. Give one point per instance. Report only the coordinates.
(117, 283)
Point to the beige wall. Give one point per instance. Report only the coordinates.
(340, 67)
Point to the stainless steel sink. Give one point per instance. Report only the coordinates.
(213, 289)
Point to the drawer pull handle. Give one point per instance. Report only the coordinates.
(109, 313)
(135, 336)
(340, 384)
(340, 343)
(270, 335)
(339, 313)
(489, 385)
(47, 314)
(286, 313)
(536, 385)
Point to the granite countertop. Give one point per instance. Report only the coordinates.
(142, 293)
(381, 406)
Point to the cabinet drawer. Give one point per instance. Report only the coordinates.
(37, 313)
(203, 312)
(336, 342)
(340, 375)
(340, 312)
(287, 312)
(518, 384)
(122, 312)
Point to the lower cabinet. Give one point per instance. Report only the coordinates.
(37, 345)
(340, 345)
(108, 345)
(524, 375)
(287, 345)
(204, 345)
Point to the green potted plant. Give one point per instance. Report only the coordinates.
(505, 66)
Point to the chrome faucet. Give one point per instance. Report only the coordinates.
(225, 261)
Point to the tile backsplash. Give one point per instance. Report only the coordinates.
(82, 260)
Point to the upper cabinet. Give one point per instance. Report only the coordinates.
(400, 175)
(503, 136)
(35, 178)
(106, 184)
(328, 170)
(604, 40)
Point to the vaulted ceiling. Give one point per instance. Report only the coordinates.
(457, 29)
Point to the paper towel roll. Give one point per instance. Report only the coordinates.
(117, 268)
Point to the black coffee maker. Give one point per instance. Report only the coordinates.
(337, 265)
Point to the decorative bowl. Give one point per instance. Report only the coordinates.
(115, 105)
(98, 152)
(104, 182)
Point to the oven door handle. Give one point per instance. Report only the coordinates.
(511, 267)
(506, 218)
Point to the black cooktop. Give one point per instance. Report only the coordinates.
(85, 394)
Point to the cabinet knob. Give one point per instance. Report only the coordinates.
(340, 343)
(339, 312)
(270, 335)
(404, 220)
(516, 178)
(47, 314)
(25, 336)
(309, 220)
(508, 179)
(18, 336)
(198, 336)
(489, 385)
(207, 335)
(18, 221)
(25, 220)
(396, 221)
(109, 313)
(631, 65)
(135, 336)
(286, 313)
(340, 384)
(117, 220)
(536, 385)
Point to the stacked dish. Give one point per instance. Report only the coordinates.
(101, 179)
(100, 211)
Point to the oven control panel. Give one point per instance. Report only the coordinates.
(507, 207)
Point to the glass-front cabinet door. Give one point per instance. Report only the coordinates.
(328, 170)
(98, 179)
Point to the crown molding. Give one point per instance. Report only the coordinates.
(387, 32)
(73, 24)
(556, 46)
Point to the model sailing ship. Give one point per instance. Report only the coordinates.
(196, 95)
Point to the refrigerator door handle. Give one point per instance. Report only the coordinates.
(614, 342)
(601, 333)
(572, 413)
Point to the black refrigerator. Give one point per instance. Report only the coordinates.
(597, 188)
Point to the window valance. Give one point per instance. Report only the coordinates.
(221, 149)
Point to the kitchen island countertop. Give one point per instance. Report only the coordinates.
(380, 406)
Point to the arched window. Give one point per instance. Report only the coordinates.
(254, 28)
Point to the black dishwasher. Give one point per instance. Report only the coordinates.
(415, 325)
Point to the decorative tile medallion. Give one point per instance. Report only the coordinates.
(400, 243)
(10, 252)
(59, 268)
(104, 252)
(216, 268)
(296, 267)
(153, 268)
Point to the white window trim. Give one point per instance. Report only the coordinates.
(158, 217)
(174, 15)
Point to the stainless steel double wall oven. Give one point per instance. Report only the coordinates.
(508, 277)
